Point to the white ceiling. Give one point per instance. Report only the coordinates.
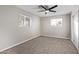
(60, 10)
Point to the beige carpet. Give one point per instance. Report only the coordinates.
(44, 45)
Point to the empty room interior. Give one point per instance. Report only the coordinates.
(39, 29)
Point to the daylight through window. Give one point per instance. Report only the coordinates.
(56, 22)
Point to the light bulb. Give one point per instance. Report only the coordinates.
(47, 11)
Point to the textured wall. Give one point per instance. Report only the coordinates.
(56, 31)
(10, 32)
(74, 27)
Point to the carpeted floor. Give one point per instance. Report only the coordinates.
(44, 45)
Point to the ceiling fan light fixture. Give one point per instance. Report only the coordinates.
(47, 11)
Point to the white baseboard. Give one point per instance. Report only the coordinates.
(32, 37)
(56, 37)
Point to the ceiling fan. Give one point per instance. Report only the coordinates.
(46, 8)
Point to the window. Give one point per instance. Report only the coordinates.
(24, 20)
(56, 22)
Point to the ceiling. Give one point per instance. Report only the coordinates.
(60, 10)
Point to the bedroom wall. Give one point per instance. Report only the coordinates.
(74, 27)
(10, 32)
(78, 31)
(56, 31)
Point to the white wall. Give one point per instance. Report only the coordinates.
(78, 30)
(59, 32)
(10, 33)
(74, 27)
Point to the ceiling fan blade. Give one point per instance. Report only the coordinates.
(43, 7)
(52, 11)
(53, 7)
